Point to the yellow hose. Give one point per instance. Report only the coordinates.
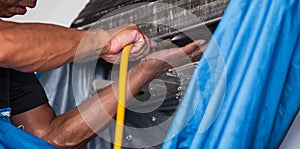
(121, 97)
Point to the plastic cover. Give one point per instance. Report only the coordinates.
(13, 138)
(245, 91)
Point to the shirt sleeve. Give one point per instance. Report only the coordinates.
(25, 91)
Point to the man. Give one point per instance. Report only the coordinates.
(29, 47)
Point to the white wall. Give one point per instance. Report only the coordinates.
(61, 12)
(292, 139)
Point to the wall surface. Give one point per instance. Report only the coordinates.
(292, 139)
(61, 12)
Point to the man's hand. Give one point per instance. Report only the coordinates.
(161, 61)
(122, 36)
(33, 47)
(75, 127)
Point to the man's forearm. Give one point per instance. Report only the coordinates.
(80, 124)
(41, 47)
(92, 115)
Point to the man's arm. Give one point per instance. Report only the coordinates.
(78, 125)
(41, 47)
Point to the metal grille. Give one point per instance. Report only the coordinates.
(155, 18)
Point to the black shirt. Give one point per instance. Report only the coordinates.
(20, 91)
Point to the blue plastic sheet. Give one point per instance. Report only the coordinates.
(245, 90)
(13, 138)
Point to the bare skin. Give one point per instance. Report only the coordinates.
(77, 126)
(9, 8)
(32, 47)
(53, 46)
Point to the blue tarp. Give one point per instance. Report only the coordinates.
(13, 138)
(245, 91)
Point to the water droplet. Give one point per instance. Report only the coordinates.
(153, 119)
(179, 88)
(129, 137)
